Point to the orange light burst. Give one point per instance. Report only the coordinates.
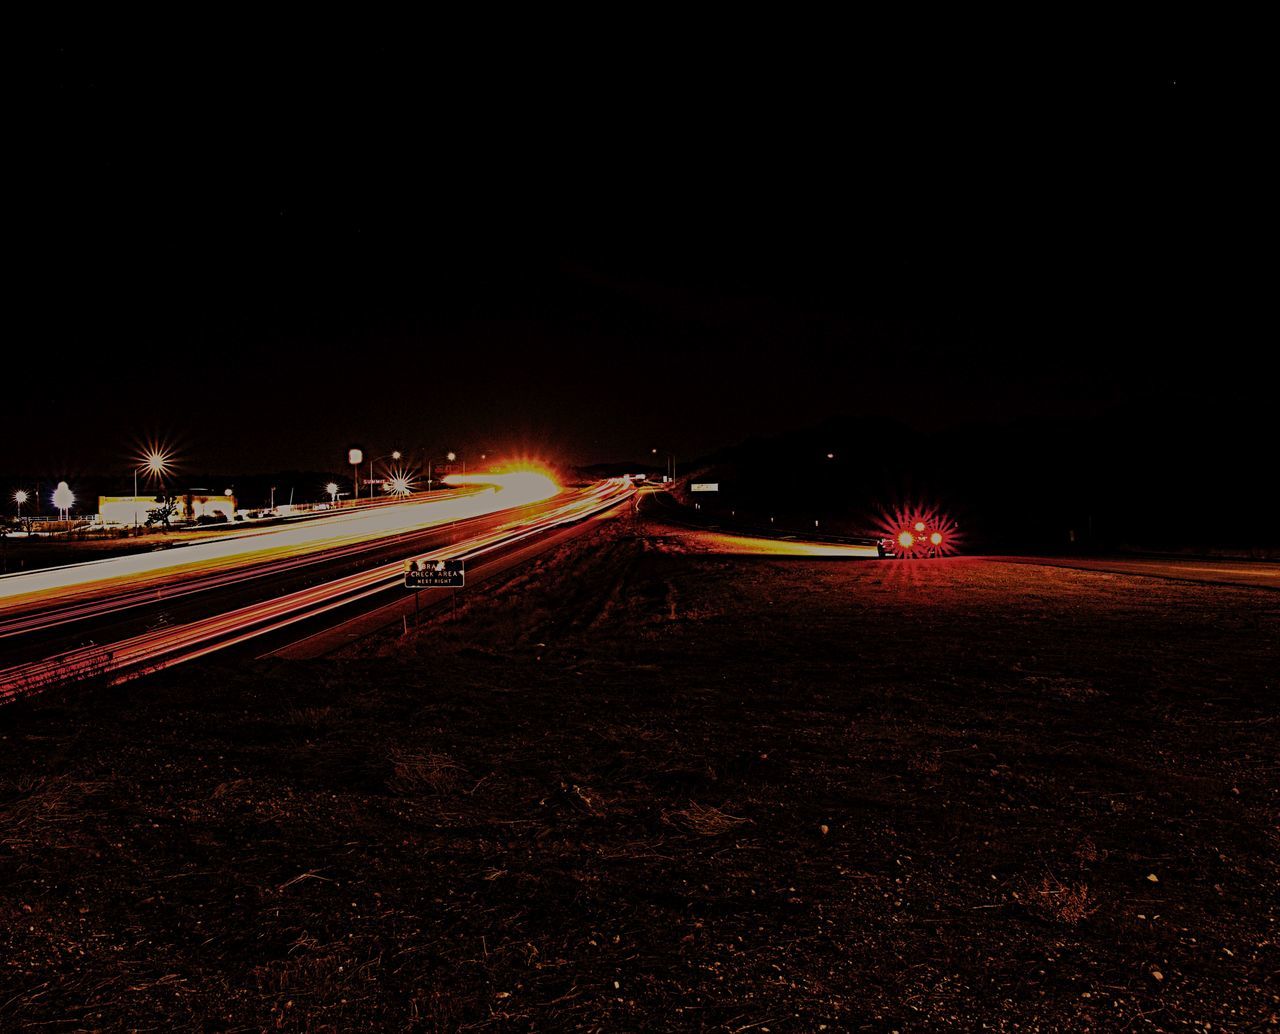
(519, 484)
(918, 531)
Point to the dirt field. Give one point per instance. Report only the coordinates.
(646, 785)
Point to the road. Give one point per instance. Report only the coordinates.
(1261, 574)
(130, 615)
(1258, 574)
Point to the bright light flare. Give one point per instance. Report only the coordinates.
(154, 459)
(918, 531)
(19, 497)
(400, 483)
(63, 498)
(517, 487)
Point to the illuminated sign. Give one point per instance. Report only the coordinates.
(435, 574)
(704, 486)
(355, 456)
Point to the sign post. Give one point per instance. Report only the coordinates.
(435, 574)
(355, 457)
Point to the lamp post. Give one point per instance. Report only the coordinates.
(669, 467)
(332, 489)
(453, 457)
(20, 497)
(393, 455)
(156, 463)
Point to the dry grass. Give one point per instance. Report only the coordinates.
(1060, 902)
(311, 717)
(424, 772)
(704, 820)
(33, 809)
(1088, 852)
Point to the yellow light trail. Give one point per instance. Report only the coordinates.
(751, 545)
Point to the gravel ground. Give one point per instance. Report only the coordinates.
(647, 784)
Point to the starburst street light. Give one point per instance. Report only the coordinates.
(332, 489)
(394, 454)
(155, 461)
(399, 484)
(20, 497)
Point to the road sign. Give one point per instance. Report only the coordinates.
(435, 574)
(704, 486)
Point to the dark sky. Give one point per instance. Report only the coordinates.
(265, 252)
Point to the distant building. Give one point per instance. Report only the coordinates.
(129, 509)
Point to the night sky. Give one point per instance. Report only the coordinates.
(263, 253)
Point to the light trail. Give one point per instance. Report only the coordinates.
(53, 596)
(734, 544)
(161, 648)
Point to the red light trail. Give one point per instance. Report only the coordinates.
(160, 648)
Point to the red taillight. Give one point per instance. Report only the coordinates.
(906, 540)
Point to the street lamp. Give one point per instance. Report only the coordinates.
(670, 466)
(393, 455)
(332, 489)
(155, 463)
(20, 497)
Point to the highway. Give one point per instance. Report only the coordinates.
(125, 616)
